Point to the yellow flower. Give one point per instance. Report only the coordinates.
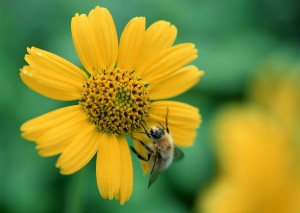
(121, 91)
(258, 150)
(279, 77)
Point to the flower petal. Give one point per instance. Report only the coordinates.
(183, 136)
(126, 172)
(53, 149)
(166, 62)
(175, 84)
(36, 127)
(56, 139)
(54, 131)
(52, 76)
(95, 39)
(81, 150)
(183, 120)
(131, 42)
(159, 36)
(108, 167)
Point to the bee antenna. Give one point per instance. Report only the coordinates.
(161, 125)
(167, 127)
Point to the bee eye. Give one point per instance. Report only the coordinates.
(155, 137)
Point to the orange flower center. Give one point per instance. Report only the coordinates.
(116, 101)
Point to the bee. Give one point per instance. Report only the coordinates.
(161, 150)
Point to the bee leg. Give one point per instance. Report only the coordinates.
(144, 145)
(140, 156)
(167, 128)
(146, 132)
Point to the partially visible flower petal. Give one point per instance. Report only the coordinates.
(159, 36)
(95, 39)
(183, 136)
(108, 167)
(223, 197)
(81, 150)
(166, 62)
(131, 42)
(47, 150)
(52, 76)
(37, 127)
(183, 120)
(126, 172)
(57, 138)
(106, 35)
(175, 84)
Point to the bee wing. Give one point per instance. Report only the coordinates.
(178, 154)
(155, 169)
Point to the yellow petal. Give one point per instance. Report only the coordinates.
(95, 39)
(56, 139)
(52, 76)
(54, 149)
(81, 150)
(39, 58)
(175, 84)
(244, 128)
(183, 136)
(183, 120)
(108, 167)
(227, 197)
(158, 37)
(131, 42)
(166, 62)
(35, 128)
(126, 172)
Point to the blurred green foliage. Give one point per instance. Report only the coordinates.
(233, 37)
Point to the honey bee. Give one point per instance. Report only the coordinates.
(161, 150)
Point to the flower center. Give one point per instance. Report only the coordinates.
(116, 101)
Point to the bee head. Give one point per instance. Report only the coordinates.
(156, 133)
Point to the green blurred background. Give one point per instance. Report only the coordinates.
(233, 38)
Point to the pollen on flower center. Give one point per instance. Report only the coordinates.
(116, 101)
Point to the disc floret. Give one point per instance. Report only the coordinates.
(116, 101)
